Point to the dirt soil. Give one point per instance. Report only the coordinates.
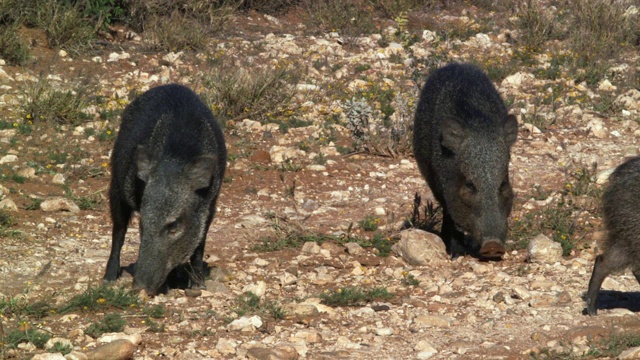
(463, 308)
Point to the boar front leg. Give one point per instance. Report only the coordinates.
(452, 237)
(197, 264)
(120, 216)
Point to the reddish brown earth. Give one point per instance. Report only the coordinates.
(464, 308)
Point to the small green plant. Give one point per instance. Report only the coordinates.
(362, 67)
(275, 311)
(4, 124)
(19, 179)
(34, 204)
(380, 120)
(352, 296)
(246, 303)
(25, 128)
(523, 270)
(556, 220)
(6, 220)
(287, 234)
(320, 159)
(615, 344)
(36, 337)
(106, 134)
(382, 243)
(155, 311)
(90, 202)
(58, 157)
(359, 115)
(344, 150)
(552, 354)
(153, 325)
(539, 193)
(112, 322)
(101, 12)
(59, 347)
(293, 122)
(384, 96)
(290, 165)
(304, 146)
(410, 280)
(581, 182)
(102, 298)
(249, 303)
(15, 306)
(369, 223)
(112, 108)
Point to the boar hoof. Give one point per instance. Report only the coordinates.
(492, 249)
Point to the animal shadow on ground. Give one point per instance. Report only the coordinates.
(429, 219)
(178, 278)
(611, 299)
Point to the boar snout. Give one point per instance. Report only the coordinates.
(492, 248)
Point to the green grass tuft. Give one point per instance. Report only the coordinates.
(352, 296)
(36, 337)
(112, 322)
(102, 298)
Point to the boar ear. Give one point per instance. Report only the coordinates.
(200, 171)
(453, 133)
(143, 161)
(510, 130)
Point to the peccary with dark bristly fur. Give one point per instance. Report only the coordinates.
(621, 248)
(168, 164)
(462, 140)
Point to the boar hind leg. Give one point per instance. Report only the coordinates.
(636, 273)
(120, 216)
(452, 237)
(602, 267)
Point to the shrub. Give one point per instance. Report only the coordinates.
(600, 30)
(536, 24)
(110, 323)
(154, 15)
(176, 32)
(47, 103)
(65, 25)
(351, 296)
(102, 298)
(37, 338)
(261, 93)
(350, 18)
(12, 48)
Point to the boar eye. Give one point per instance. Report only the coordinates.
(469, 185)
(173, 227)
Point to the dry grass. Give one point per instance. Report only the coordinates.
(12, 49)
(236, 91)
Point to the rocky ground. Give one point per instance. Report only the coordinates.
(528, 303)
